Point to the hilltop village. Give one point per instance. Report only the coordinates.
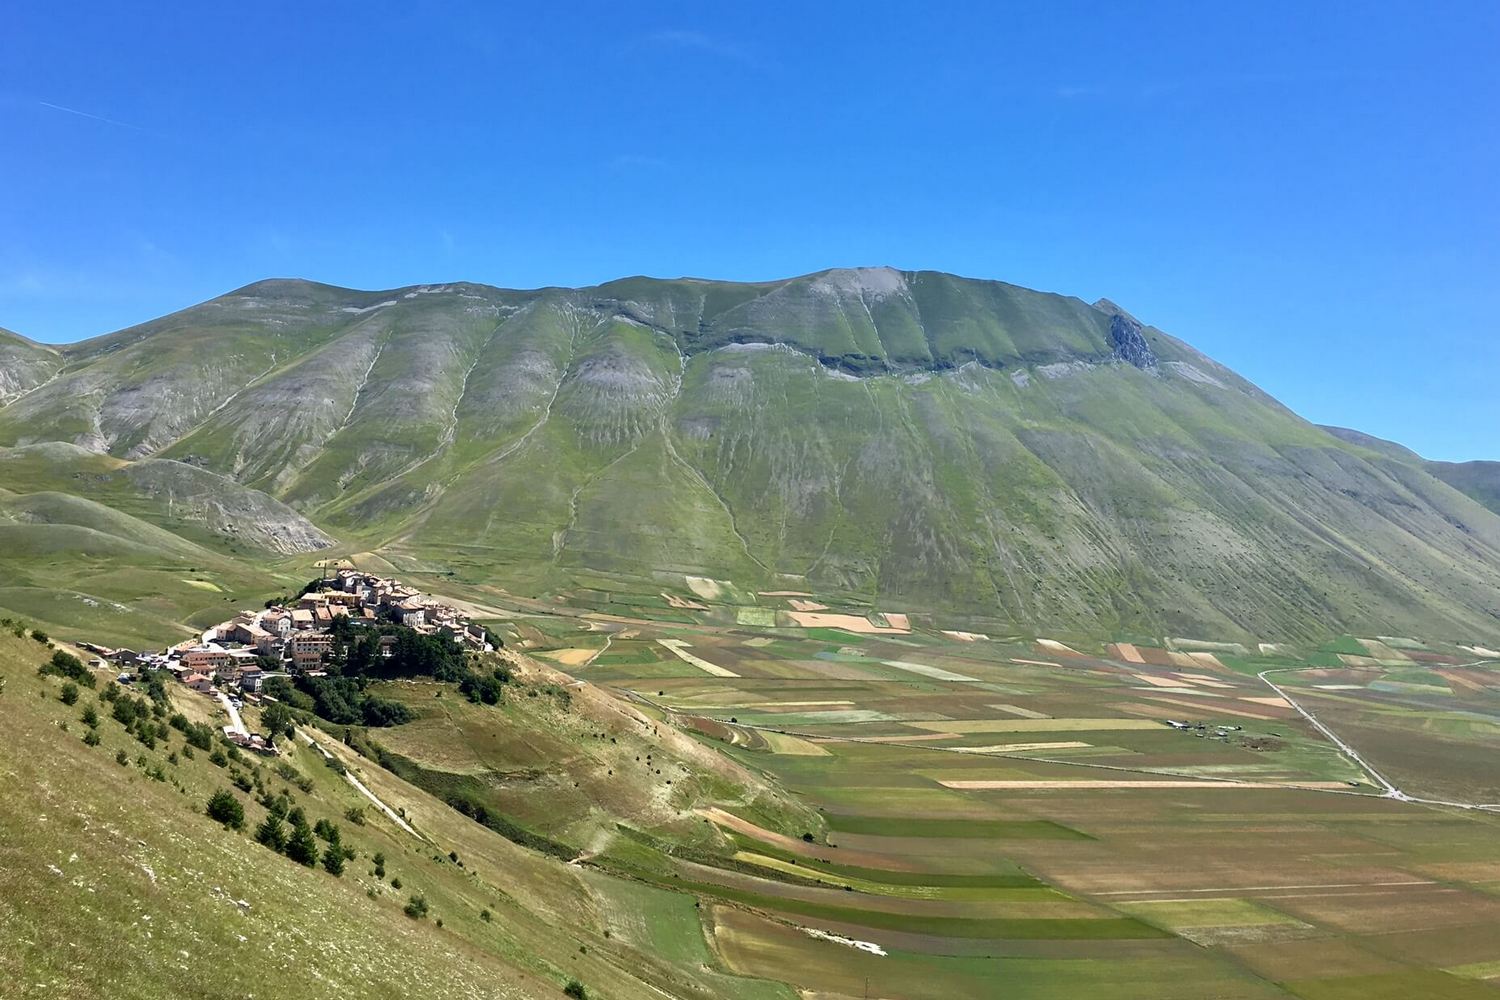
(234, 659)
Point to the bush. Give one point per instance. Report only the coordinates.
(484, 915)
(416, 907)
(355, 815)
(91, 738)
(327, 831)
(69, 693)
(575, 990)
(122, 758)
(224, 808)
(41, 636)
(218, 758)
(395, 883)
(90, 717)
(384, 712)
(69, 666)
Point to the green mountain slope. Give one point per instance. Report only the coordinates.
(1480, 480)
(924, 440)
(23, 365)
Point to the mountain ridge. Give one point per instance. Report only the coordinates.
(892, 436)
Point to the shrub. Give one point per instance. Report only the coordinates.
(575, 990)
(224, 808)
(416, 907)
(91, 738)
(69, 693)
(40, 636)
(90, 717)
(355, 815)
(68, 666)
(395, 883)
(122, 758)
(327, 831)
(484, 915)
(218, 758)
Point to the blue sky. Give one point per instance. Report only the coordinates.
(1306, 192)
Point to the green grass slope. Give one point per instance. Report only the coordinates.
(903, 436)
(113, 881)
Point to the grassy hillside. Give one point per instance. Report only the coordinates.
(23, 365)
(1479, 480)
(912, 438)
(114, 882)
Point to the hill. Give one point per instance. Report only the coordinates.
(1479, 480)
(113, 881)
(908, 438)
(24, 365)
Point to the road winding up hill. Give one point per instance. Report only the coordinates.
(931, 441)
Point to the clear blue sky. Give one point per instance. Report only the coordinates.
(1308, 192)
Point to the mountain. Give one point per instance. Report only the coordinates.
(23, 365)
(910, 438)
(1478, 480)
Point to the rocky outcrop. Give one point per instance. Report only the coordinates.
(1129, 342)
(23, 365)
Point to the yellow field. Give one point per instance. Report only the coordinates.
(1034, 725)
(677, 646)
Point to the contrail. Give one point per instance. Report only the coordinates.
(85, 114)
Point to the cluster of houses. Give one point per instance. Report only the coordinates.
(295, 639)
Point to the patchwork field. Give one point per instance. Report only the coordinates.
(1069, 820)
(833, 810)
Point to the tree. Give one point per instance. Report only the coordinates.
(90, 717)
(69, 693)
(272, 833)
(302, 846)
(223, 807)
(333, 859)
(277, 719)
